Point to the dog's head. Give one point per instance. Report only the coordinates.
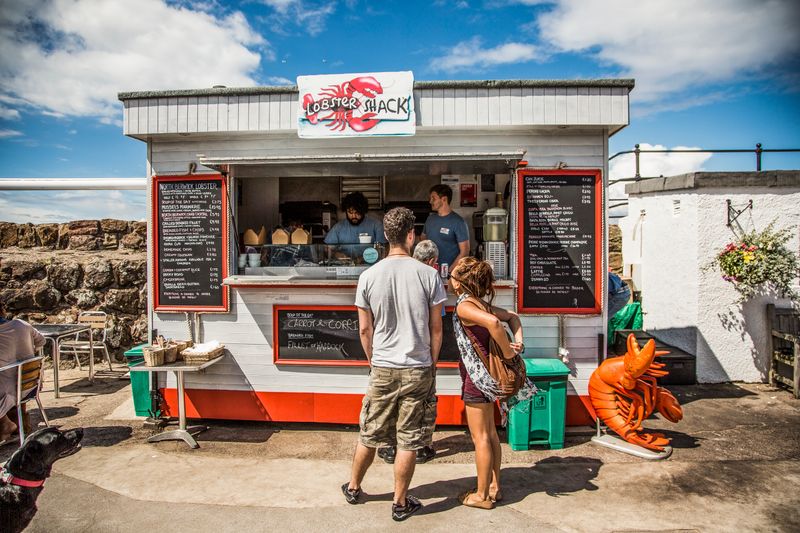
(41, 449)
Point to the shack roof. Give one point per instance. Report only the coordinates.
(421, 85)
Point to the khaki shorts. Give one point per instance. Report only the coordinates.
(399, 408)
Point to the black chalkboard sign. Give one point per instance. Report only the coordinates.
(329, 335)
(559, 235)
(191, 243)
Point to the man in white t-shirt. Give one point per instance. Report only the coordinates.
(399, 304)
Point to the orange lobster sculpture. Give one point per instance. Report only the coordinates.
(624, 392)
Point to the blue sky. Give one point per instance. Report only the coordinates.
(710, 74)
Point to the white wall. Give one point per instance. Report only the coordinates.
(691, 307)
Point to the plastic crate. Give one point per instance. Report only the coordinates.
(140, 381)
(540, 421)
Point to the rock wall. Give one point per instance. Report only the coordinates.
(615, 249)
(49, 273)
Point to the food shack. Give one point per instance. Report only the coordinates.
(234, 173)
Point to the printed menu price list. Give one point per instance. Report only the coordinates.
(559, 234)
(190, 243)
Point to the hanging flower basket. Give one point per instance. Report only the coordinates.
(760, 260)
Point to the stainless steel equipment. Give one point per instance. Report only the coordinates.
(495, 224)
(495, 233)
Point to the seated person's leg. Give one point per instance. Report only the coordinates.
(7, 426)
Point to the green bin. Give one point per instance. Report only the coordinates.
(140, 381)
(539, 421)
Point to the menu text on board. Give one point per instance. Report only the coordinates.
(559, 233)
(191, 243)
(328, 335)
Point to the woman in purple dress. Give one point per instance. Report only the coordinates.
(475, 322)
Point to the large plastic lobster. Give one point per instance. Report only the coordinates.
(624, 392)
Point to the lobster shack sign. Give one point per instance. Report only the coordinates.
(350, 105)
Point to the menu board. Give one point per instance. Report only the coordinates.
(329, 335)
(559, 236)
(191, 243)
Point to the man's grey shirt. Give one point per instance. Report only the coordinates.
(400, 292)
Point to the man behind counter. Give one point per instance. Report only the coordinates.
(446, 228)
(357, 223)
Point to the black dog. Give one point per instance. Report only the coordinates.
(22, 477)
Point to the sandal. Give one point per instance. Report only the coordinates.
(401, 512)
(478, 504)
(497, 496)
(351, 495)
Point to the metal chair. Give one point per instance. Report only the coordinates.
(29, 383)
(98, 322)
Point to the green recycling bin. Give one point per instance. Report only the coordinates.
(140, 381)
(539, 421)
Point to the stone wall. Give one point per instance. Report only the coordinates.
(615, 249)
(49, 273)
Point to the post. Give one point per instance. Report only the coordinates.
(636, 152)
(758, 157)
(796, 374)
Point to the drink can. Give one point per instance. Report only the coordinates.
(444, 270)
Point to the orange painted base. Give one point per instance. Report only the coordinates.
(319, 407)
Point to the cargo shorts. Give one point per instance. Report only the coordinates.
(399, 408)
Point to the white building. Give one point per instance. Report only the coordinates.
(675, 227)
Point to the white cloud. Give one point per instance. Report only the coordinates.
(672, 46)
(470, 54)
(309, 16)
(651, 166)
(6, 133)
(39, 207)
(72, 57)
(278, 80)
(8, 114)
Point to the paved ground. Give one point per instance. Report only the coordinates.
(736, 467)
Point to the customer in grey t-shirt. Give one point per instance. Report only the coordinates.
(399, 291)
(400, 324)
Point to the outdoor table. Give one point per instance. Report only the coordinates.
(55, 333)
(183, 433)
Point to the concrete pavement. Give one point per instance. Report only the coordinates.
(736, 466)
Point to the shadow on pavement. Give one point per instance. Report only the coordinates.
(104, 436)
(555, 476)
(242, 432)
(104, 383)
(56, 413)
(707, 391)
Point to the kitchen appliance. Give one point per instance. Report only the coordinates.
(495, 224)
(495, 233)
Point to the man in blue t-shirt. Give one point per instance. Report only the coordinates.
(357, 223)
(446, 228)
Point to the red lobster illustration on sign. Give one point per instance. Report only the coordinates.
(624, 392)
(341, 102)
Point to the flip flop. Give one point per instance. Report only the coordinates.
(497, 497)
(486, 504)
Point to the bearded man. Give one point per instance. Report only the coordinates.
(356, 223)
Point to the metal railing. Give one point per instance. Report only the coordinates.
(758, 151)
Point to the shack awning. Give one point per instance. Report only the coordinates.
(367, 164)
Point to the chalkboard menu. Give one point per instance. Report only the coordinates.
(559, 235)
(191, 243)
(329, 335)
